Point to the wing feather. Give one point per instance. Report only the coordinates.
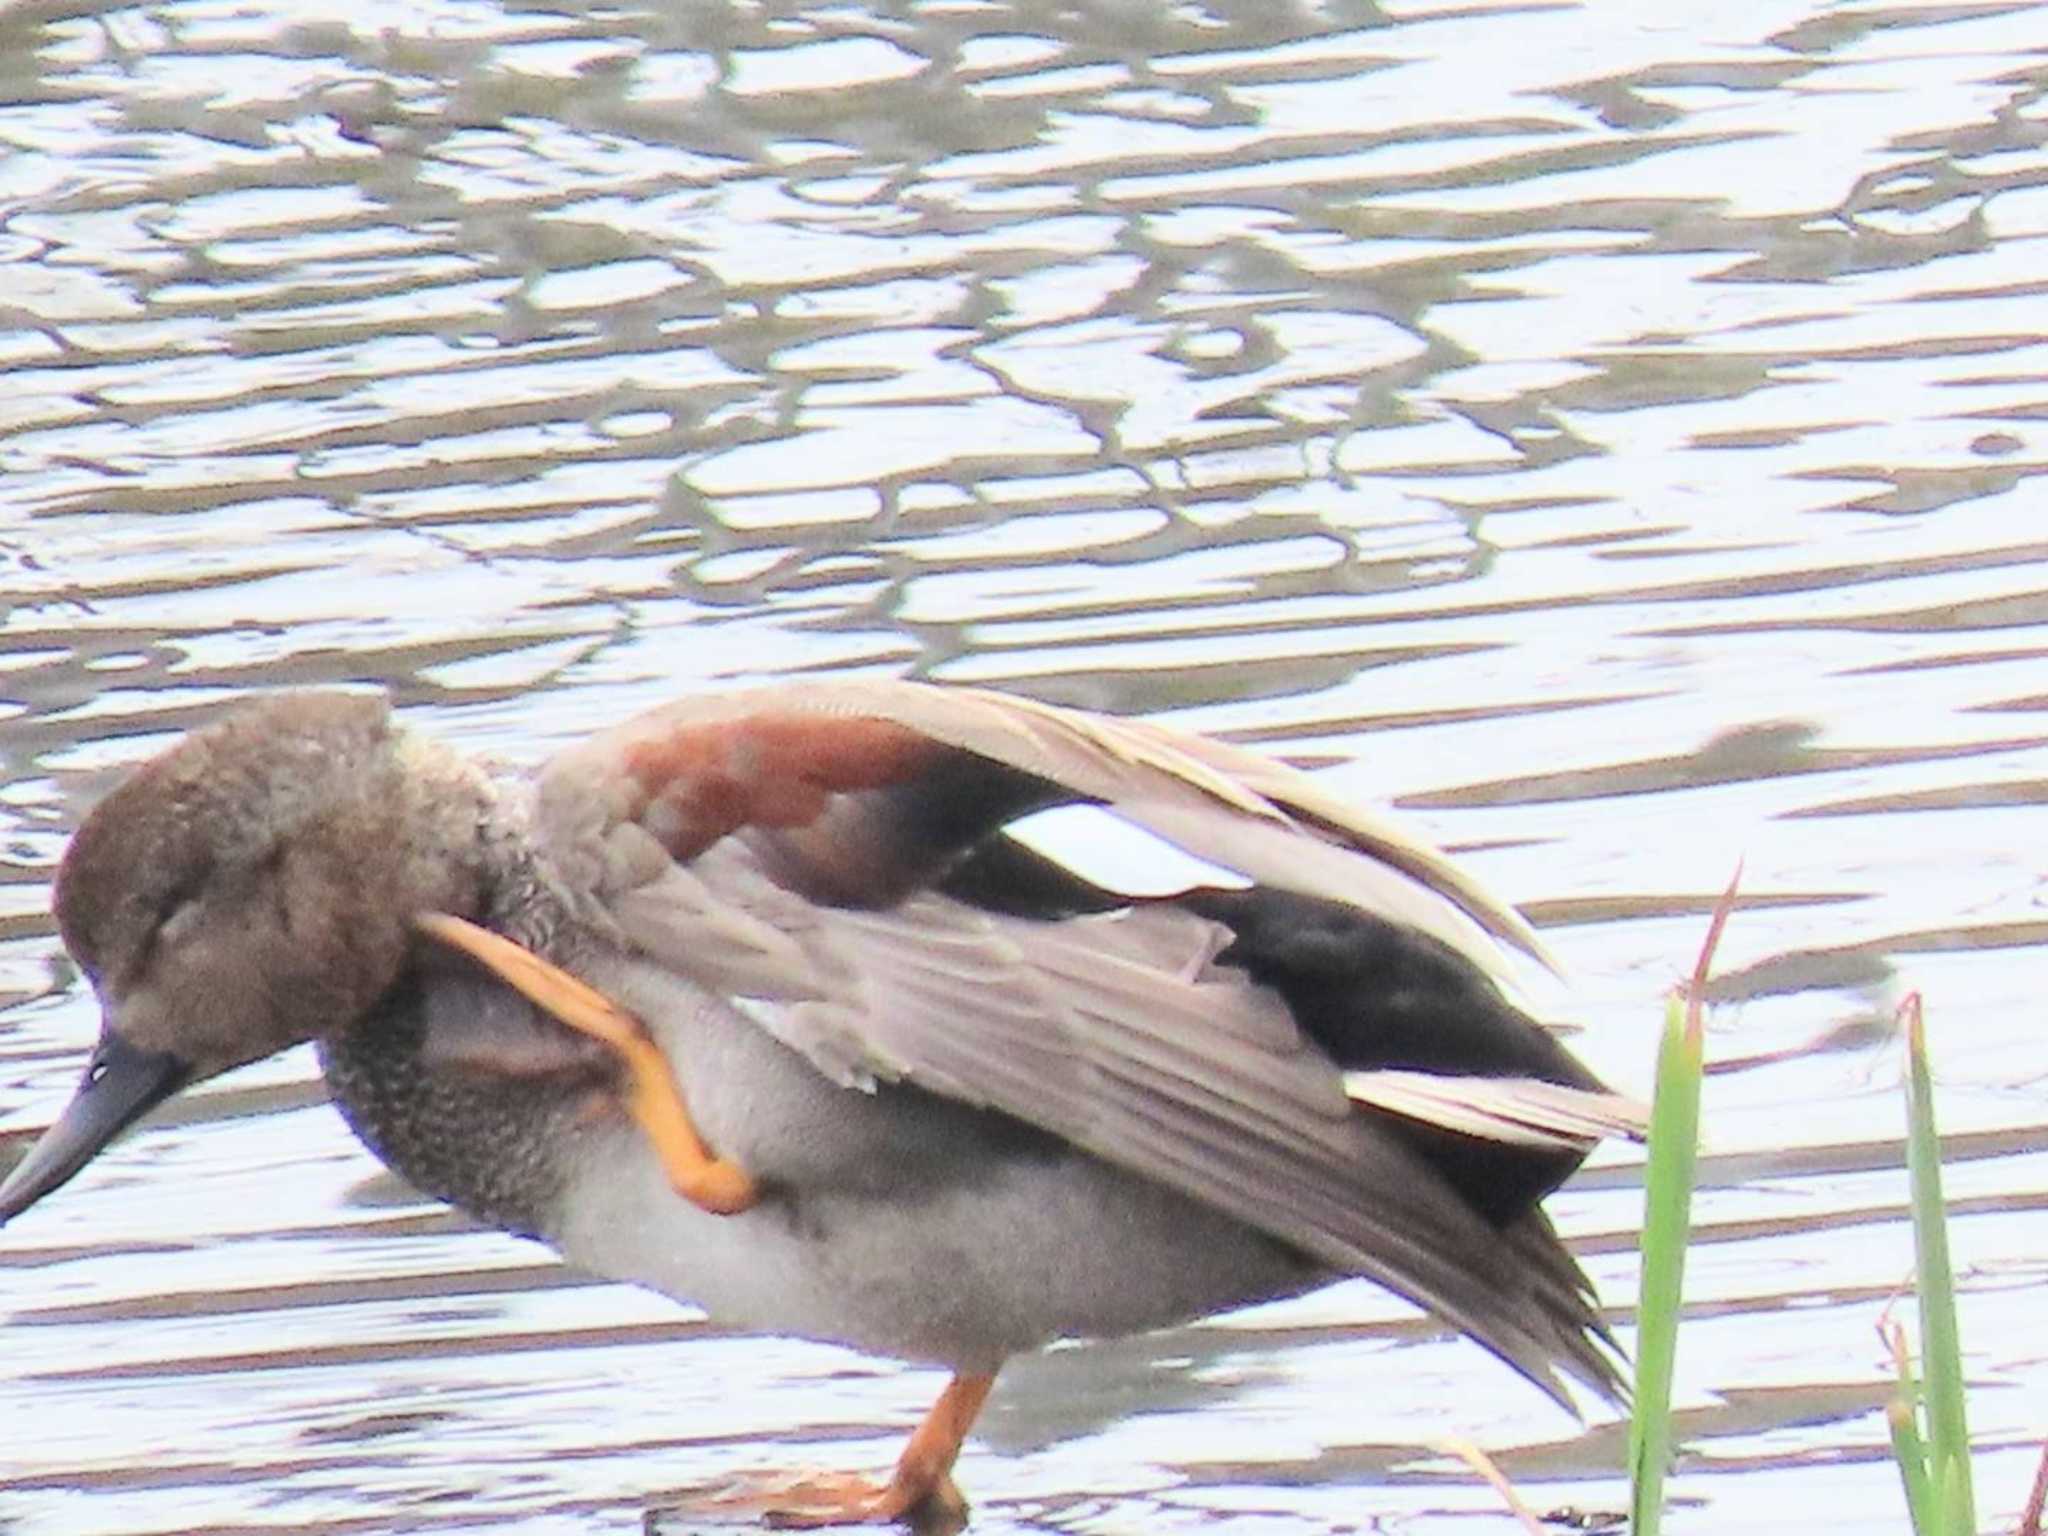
(1233, 807)
(1517, 1109)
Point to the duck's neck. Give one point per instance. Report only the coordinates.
(456, 1081)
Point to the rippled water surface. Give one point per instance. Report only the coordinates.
(1610, 432)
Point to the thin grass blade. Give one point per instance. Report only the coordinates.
(1948, 1430)
(2037, 1498)
(1667, 1226)
(1667, 1222)
(1909, 1450)
(1911, 1453)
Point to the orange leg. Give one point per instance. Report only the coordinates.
(652, 1099)
(919, 1493)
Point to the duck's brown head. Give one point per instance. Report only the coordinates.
(249, 889)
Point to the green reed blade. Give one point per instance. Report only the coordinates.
(1667, 1224)
(1940, 1339)
(1667, 1221)
(1908, 1449)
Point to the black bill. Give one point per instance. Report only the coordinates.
(121, 1084)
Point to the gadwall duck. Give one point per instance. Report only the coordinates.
(762, 1000)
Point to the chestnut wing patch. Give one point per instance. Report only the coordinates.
(847, 812)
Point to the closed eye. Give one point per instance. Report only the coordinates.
(177, 913)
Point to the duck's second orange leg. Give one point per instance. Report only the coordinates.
(652, 1098)
(920, 1493)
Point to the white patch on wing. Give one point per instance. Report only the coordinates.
(1521, 1110)
(1105, 849)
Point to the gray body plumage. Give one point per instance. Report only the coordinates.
(988, 1213)
(895, 1220)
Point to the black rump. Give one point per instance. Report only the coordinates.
(1375, 994)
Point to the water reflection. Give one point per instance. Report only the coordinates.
(1613, 441)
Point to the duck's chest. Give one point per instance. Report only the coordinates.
(461, 1088)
